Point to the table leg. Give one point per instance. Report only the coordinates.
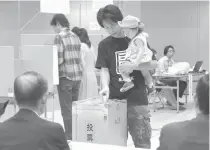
(187, 81)
(177, 96)
(45, 110)
(190, 87)
(153, 101)
(53, 100)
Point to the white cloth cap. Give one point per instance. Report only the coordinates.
(130, 22)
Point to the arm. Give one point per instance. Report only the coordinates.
(141, 57)
(83, 52)
(102, 63)
(59, 46)
(60, 139)
(105, 78)
(148, 65)
(144, 61)
(163, 66)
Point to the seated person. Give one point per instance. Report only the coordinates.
(163, 64)
(192, 134)
(26, 130)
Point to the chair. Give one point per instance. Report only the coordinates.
(158, 94)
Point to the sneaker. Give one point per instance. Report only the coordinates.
(180, 108)
(181, 104)
(127, 86)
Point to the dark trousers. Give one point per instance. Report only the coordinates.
(68, 92)
(139, 125)
(182, 86)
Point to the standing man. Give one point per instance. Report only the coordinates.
(111, 52)
(70, 68)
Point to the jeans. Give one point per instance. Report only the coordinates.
(68, 92)
(139, 125)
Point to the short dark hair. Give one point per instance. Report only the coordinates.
(61, 19)
(167, 48)
(83, 35)
(29, 88)
(153, 51)
(109, 12)
(202, 93)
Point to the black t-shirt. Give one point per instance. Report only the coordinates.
(111, 52)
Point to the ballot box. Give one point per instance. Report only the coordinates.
(96, 121)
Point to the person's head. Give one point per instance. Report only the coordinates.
(131, 26)
(30, 90)
(202, 94)
(169, 51)
(108, 18)
(76, 30)
(83, 35)
(58, 22)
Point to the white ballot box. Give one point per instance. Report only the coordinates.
(97, 122)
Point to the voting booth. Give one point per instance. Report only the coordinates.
(7, 71)
(37, 39)
(42, 59)
(96, 121)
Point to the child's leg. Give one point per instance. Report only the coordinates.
(147, 77)
(148, 81)
(126, 77)
(128, 81)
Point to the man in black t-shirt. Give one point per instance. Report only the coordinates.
(111, 52)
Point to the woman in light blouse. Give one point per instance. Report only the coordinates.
(163, 64)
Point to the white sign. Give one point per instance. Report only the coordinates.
(94, 26)
(55, 6)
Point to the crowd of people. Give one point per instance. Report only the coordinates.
(125, 61)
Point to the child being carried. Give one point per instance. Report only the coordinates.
(137, 51)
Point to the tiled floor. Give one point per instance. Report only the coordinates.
(158, 120)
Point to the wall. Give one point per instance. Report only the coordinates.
(182, 24)
(17, 14)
